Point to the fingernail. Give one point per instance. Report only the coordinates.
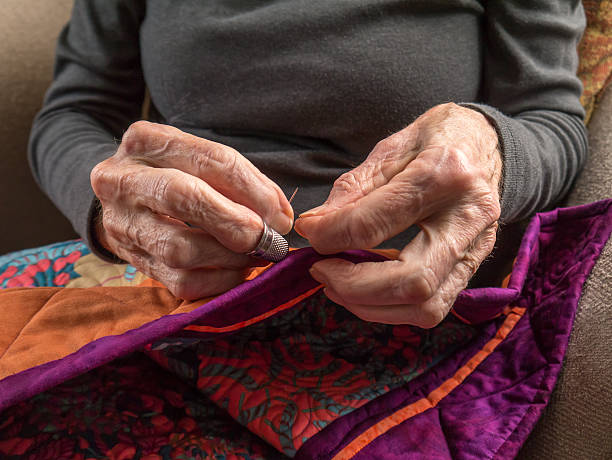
(286, 207)
(282, 223)
(297, 227)
(289, 213)
(313, 211)
(288, 224)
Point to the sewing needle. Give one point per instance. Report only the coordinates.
(293, 194)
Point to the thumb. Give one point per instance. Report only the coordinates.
(389, 157)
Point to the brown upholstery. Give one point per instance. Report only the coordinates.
(28, 31)
(577, 423)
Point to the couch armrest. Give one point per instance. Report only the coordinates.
(595, 181)
(576, 423)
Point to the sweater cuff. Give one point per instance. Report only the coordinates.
(90, 235)
(511, 184)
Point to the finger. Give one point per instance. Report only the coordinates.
(222, 167)
(172, 243)
(431, 312)
(410, 280)
(186, 284)
(186, 198)
(389, 157)
(437, 179)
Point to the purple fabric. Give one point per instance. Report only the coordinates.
(493, 411)
(279, 284)
(489, 415)
(339, 433)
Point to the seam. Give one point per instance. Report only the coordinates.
(256, 319)
(432, 399)
(520, 422)
(29, 319)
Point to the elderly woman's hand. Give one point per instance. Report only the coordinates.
(161, 178)
(441, 173)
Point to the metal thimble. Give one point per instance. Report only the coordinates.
(272, 246)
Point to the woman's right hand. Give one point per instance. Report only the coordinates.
(161, 178)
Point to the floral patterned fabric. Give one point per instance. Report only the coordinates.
(66, 264)
(129, 409)
(283, 379)
(595, 50)
(287, 378)
(52, 265)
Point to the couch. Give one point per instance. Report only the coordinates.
(576, 424)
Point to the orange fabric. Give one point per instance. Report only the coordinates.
(389, 253)
(461, 318)
(435, 396)
(44, 324)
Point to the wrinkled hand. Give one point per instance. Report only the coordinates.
(441, 173)
(160, 178)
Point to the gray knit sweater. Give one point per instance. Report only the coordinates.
(305, 88)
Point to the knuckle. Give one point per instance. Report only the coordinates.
(111, 223)
(243, 234)
(124, 184)
(388, 144)
(463, 175)
(160, 190)
(450, 106)
(136, 235)
(138, 261)
(98, 174)
(446, 109)
(347, 182)
(488, 245)
(484, 210)
(490, 237)
(270, 200)
(141, 127)
(417, 287)
(133, 140)
(224, 157)
(354, 183)
(363, 231)
(471, 264)
(179, 252)
(491, 209)
(201, 161)
(167, 250)
(228, 158)
(188, 199)
(103, 179)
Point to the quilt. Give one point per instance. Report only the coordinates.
(98, 361)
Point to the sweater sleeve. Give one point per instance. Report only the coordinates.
(96, 94)
(531, 95)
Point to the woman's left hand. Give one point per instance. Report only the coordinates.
(441, 173)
